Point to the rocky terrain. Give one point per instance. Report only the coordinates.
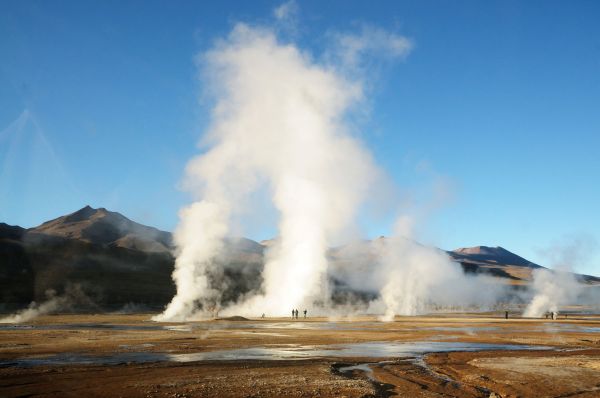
(448, 355)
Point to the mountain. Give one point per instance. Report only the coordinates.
(15, 270)
(11, 232)
(495, 261)
(498, 261)
(490, 255)
(100, 226)
(110, 259)
(113, 261)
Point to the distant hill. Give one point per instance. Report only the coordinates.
(491, 255)
(496, 261)
(100, 226)
(116, 261)
(113, 260)
(500, 262)
(11, 232)
(110, 258)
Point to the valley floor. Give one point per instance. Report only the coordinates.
(454, 355)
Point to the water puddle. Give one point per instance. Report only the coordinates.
(192, 326)
(364, 367)
(253, 333)
(465, 329)
(566, 327)
(177, 328)
(299, 325)
(318, 325)
(80, 326)
(289, 352)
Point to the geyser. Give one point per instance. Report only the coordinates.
(552, 289)
(559, 287)
(415, 279)
(278, 124)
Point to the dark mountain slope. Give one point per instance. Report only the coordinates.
(116, 261)
(111, 259)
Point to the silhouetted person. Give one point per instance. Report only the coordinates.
(293, 314)
(305, 313)
(296, 313)
(505, 314)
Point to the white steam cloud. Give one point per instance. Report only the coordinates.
(34, 310)
(559, 287)
(73, 297)
(286, 11)
(551, 290)
(420, 279)
(353, 48)
(278, 124)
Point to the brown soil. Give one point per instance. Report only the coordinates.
(572, 368)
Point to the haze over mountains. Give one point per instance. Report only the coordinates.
(497, 255)
(114, 261)
(100, 226)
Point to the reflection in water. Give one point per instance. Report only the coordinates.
(191, 326)
(79, 326)
(461, 328)
(551, 327)
(362, 350)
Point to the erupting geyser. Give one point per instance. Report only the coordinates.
(278, 124)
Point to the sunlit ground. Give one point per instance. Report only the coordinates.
(446, 354)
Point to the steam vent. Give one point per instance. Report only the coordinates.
(299, 199)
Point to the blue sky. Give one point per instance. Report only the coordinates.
(498, 103)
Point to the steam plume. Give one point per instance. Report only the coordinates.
(278, 124)
(419, 279)
(551, 290)
(558, 287)
(34, 310)
(73, 297)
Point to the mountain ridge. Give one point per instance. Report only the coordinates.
(118, 261)
(488, 254)
(101, 226)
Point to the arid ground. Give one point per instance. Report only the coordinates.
(454, 355)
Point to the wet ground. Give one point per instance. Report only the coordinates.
(386, 349)
(462, 355)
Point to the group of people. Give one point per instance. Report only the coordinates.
(295, 313)
(552, 314)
